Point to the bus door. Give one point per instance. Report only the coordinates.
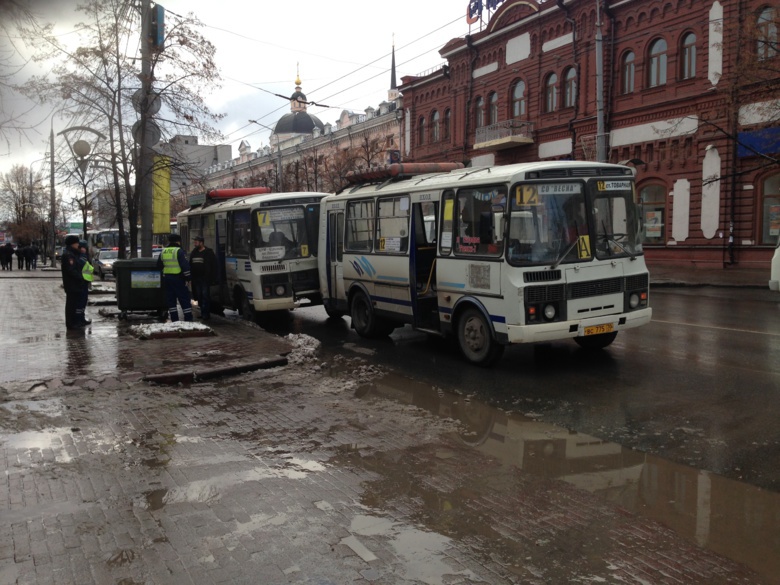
(334, 258)
(220, 240)
(422, 264)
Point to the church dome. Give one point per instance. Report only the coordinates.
(300, 122)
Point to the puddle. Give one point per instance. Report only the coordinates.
(51, 407)
(32, 441)
(733, 519)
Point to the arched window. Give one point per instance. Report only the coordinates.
(479, 112)
(657, 61)
(770, 229)
(570, 88)
(435, 137)
(551, 93)
(446, 129)
(518, 99)
(653, 204)
(421, 131)
(767, 34)
(627, 68)
(493, 101)
(688, 56)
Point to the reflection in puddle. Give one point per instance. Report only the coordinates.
(37, 441)
(733, 519)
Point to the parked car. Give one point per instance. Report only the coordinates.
(104, 262)
(774, 273)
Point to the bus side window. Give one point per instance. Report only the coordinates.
(447, 223)
(360, 226)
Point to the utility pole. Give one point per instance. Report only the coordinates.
(144, 174)
(601, 151)
(53, 200)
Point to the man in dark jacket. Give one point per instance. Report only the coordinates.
(176, 274)
(73, 283)
(203, 263)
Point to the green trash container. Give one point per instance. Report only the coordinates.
(139, 287)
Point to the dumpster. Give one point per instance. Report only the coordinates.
(140, 287)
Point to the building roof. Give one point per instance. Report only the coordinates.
(298, 123)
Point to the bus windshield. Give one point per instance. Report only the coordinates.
(616, 225)
(279, 234)
(548, 224)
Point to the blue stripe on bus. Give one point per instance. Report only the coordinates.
(392, 278)
(392, 301)
(453, 284)
(494, 318)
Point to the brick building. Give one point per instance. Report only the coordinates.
(691, 98)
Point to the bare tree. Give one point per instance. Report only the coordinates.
(97, 82)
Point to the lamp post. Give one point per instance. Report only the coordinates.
(279, 184)
(81, 149)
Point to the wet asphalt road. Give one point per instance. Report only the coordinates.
(387, 462)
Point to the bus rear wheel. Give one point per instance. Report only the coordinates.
(365, 320)
(596, 341)
(476, 340)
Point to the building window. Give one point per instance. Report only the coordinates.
(570, 88)
(518, 99)
(689, 56)
(770, 230)
(551, 93)
(627, 68)
(657, 69)
(479, 113)
(767, 34)
(421, 131)
(446, 129)
(493, 101)
(653, 204)
(435, 132)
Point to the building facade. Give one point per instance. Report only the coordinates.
(686, 91)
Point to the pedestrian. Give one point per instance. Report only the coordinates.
(35, 251)
(87, 273)
(20, 257)
(203, 263)
(72, 282)
(4, 257)
(28, 257)
(176, 274)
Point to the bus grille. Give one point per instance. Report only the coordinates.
(542, 276)
(305, 280)
(272, 267)
(544, 294)
(637, 282)
(595, 288)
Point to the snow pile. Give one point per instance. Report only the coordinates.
(149, 330)
(304, 349)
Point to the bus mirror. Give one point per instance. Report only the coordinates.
(498, 226)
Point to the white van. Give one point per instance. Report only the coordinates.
(774, 273)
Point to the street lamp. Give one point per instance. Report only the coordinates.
(279, 184)
(81, 150)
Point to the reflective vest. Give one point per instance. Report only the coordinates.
(170, 260)
(87, 270)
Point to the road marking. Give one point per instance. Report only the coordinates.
(719, 328)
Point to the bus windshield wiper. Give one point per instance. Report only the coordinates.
(611, 238)
(566, 253)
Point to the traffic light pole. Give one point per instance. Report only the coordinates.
(145, 159)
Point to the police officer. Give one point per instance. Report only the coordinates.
(87, 273)
(73, 283)
(176, 274)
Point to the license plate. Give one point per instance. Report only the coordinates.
(599, 329)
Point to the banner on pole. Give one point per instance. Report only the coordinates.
(161, 195)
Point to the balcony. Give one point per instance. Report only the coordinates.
(506, 134)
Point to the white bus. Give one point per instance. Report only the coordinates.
(266, 247)
(517, 253)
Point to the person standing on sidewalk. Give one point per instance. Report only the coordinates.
(87, 271)
(176, 274)
(73, 283)
(203, 263)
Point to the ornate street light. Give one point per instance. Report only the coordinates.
(81, 149)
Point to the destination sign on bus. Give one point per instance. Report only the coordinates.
(529, 194)
(266, 217)
(613, 185)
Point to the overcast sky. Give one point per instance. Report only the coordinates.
(342, 50)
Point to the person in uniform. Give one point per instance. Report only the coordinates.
(87, 273)
(72, 281)
(203, 263)
(176, 274)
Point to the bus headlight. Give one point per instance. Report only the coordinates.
(280, 290)
(549, 312)
(633, 300)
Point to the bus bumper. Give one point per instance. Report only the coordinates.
(282, 304)
(563, 329)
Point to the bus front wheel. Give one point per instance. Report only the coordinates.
(365, 320)
(596, 341)
(476, 340)
(248, 309)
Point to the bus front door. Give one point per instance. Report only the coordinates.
(335, 298)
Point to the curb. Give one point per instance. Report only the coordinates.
(198, 375)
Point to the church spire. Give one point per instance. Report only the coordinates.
(393, 84)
